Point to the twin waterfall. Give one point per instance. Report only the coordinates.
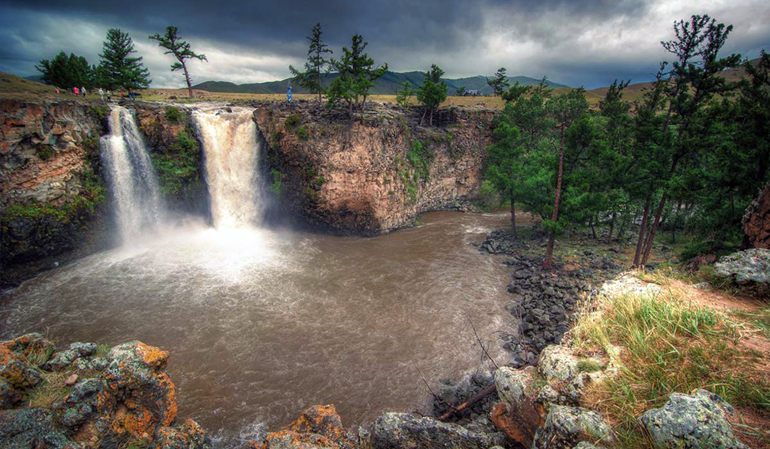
(231, 152)
(230, 145)
(130, 174)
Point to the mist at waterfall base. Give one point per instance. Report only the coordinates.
(263, 322)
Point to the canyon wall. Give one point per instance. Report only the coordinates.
(364, 176)
(377, 172)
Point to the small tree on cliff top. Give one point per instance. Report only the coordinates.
(181, 50)
(499, 82)
(314, 67)
(433, 91)
(357, 74)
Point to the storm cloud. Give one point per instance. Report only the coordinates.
(584, 42)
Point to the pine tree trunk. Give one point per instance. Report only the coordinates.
(551, 235)
(593, 228)
(513, 216)
(653, 230)
(187, 78)
(642, 233)
(612, 228)
(431, 117)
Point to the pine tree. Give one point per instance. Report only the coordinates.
(66, 71)
(433, 91)
(117, 67)
(500, 82)
(314, 67)
(181, 50)
(357, 74)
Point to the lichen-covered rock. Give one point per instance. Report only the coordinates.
(318, 427)
(404, 431)
(566, 426)
(16, 370)
(577, 385)
(521, 415)
(691, 421)
(36, 348)
(189, 435)
(557, 364)
(8, 395)
(32, 428)
(751, 265)
(587, 445)
(63, 359)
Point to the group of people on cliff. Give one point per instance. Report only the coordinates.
(81, 91)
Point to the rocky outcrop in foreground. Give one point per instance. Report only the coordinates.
(89, 397)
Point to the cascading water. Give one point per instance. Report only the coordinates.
(130, 174)
(231, 151)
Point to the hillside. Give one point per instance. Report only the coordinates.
(386, 85)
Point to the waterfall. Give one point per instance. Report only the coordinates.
(231, 152)
(130, 174)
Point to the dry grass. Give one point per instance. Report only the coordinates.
(51, 390)
(671, 343)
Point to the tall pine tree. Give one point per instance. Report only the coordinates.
(118, 67)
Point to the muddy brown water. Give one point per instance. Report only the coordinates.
(261, 324)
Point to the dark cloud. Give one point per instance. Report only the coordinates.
(584, 42)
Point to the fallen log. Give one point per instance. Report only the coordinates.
(476, 398)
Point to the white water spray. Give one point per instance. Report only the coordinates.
(231, 150)
(130, 173)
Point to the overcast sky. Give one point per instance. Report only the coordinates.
(580, 42)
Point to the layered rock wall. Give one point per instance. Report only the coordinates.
(756, 222)
(376, 172)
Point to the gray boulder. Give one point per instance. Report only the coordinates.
(692, 421)
(751, 265)
(566, 426)
(402, 430)
(557, 364)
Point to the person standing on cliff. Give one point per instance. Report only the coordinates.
(288, 95)
(83, 91)
(76, 91)
(57, 92)
(101, 94)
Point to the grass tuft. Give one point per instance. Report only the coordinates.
(668, 345)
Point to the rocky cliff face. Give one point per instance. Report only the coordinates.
(50, 181)
(756, 222)
(377, 172)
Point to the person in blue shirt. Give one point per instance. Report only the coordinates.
(288, 95)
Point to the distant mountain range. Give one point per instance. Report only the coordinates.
(386, 85)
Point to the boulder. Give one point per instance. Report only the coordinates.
(189, 435)
(318, 427)
(566, 426)
(756, 221)
(16, 370)
(32, 428)
(402, 430)
(520, 416)
(751, 265)
(36, 348)
(558, 364)
(691, 421)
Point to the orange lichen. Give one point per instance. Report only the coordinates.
(515, 429)
(151, 355)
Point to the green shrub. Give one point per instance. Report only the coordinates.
(302, 133)
(420, 158)
(173, 114)
(101, 111)
(178, 167)
(277, 183)
(44, 152)
(293, 120)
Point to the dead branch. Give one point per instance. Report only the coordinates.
(476, 398)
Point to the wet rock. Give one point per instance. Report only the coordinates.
(749, 266)
(189, 435)
(62, 360)
(566, 426)
(691, 421)
(8, 395)
(402, 430)
(558, 364)
(318, 427)
(32, 428)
